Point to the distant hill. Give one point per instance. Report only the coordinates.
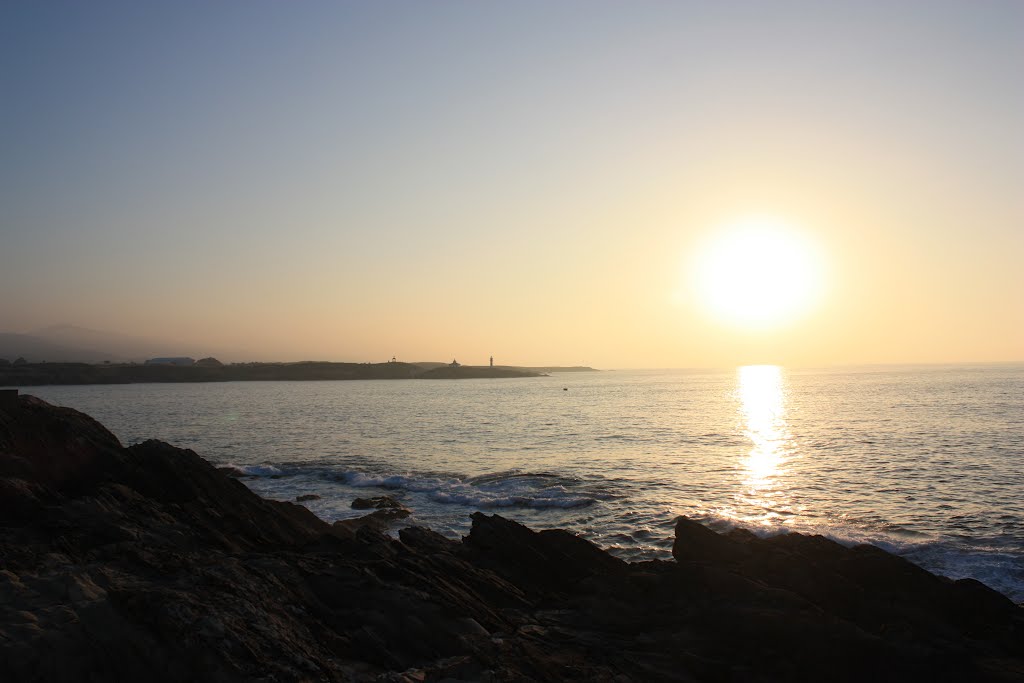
(73, 344)
(117, 346)
(38, 349)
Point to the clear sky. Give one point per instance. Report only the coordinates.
(534, 180)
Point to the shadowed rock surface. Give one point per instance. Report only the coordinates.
(147, 563)
(376, 503)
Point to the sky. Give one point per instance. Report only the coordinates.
(537, 181)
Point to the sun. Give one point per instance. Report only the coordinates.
(758, 273)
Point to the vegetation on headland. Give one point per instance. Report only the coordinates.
(35, 374)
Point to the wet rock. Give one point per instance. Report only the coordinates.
(376, 503)
(696, 542)
(379, 520)
(232, 472)
(306, 496)
(551, 560)
(427, 541)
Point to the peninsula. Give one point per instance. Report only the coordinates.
(36, 374)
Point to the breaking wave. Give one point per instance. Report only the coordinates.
(511, 489)
(500, 490)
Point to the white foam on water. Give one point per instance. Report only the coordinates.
(544, 491)
(510, 489)
(491, 501)
(256, 470)
(396, 481)
(501, 490)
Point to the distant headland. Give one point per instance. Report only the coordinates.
(175, 369)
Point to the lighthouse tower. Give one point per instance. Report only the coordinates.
(492, 361)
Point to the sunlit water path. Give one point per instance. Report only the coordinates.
(925, 461)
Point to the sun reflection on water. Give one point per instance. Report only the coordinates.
(762, 395)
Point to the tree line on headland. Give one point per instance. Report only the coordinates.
(35, 374)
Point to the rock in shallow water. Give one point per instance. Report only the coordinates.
(376, 503)
(232, 472)
(146, 563)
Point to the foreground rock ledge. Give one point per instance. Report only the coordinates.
(147, 564)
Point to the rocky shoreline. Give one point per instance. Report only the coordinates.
(147, 563)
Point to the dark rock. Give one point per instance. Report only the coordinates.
(696, 542)
(376, 503)
(9, 399)
(21, 499)
(306, 496)
(547, 561)
(426, 540)
(57, 447)
(378, 519)
(233, 472)
(147, 563)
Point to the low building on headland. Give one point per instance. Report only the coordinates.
(176, 360)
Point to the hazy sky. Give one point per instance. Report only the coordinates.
(352, 181)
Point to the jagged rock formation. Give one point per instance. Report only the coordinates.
(376, 503)
(147, 563)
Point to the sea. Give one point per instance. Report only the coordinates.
(923, 461)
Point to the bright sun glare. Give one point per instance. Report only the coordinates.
(758, 273)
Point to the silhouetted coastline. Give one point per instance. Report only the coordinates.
(35, 374)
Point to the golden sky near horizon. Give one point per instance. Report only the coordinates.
(642, 185)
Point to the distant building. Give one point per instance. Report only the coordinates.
(177, 360)
(455, 364)
(492, 361)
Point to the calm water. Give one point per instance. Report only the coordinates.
(925, 461)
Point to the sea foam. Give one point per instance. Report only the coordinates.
(486, 491)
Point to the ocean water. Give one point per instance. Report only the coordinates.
(924, 461)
